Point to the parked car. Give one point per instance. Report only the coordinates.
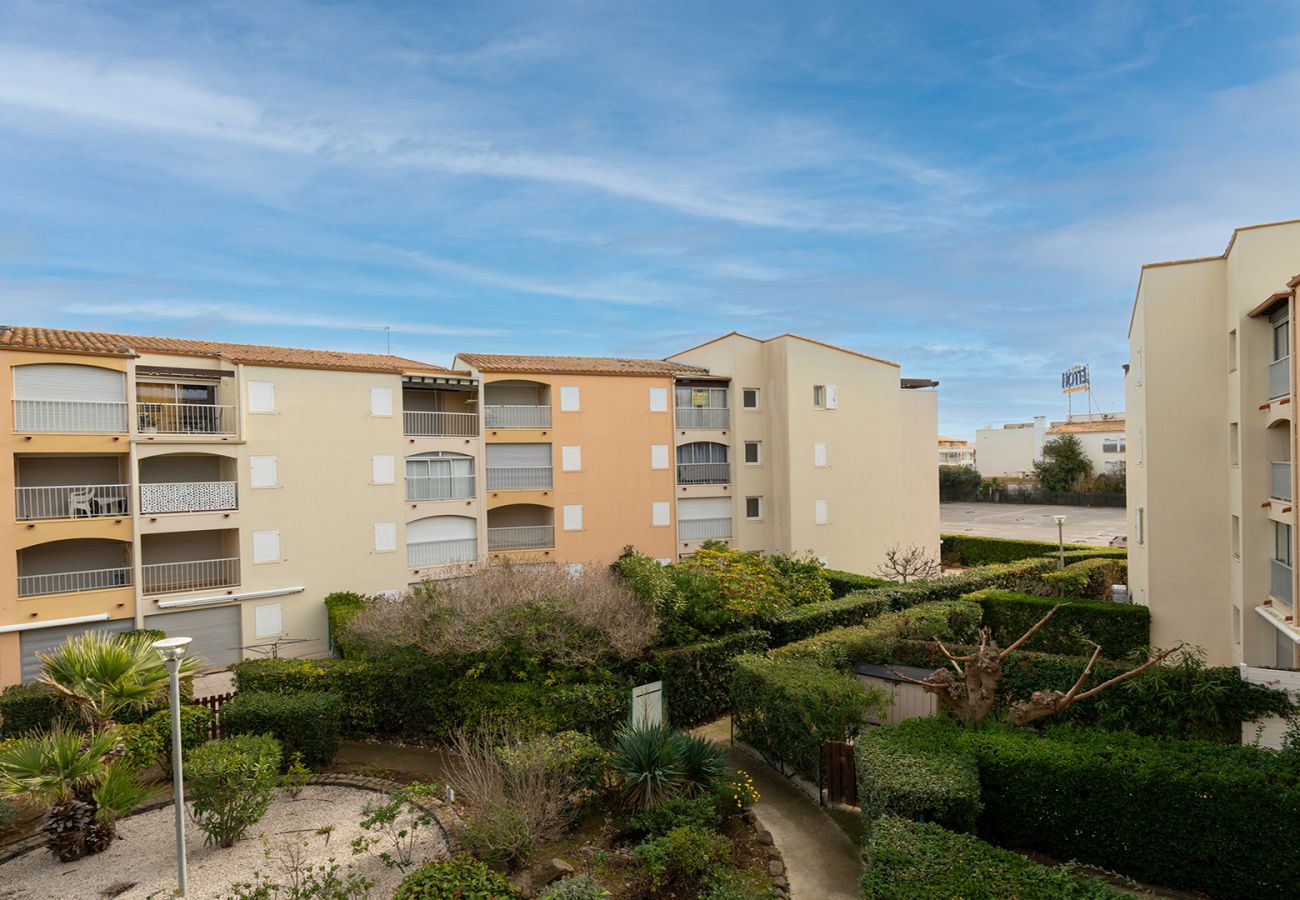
(1119, 540)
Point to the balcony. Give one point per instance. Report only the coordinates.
(718, 528)
(518, 478)
(1280, 581)
(72, 501)
(69, 416)
(439, 424)
(1279, 378)
(69, 566)
(703, 417)
(192, 575)
(497, 416)
(71, 582)
(188, 496)
(704, 473)
(185, 418)
(1280, 484)
(441, 553)
(521, 537)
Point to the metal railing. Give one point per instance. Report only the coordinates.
(1280, 486)
(704, 473)
(72, 501)
(439, 424)
(69, 582)
(166, 578)
(439, 487)
(188, 496)
(441, 553)
(704, 529)
(1280, 580)
(497, 416)
(69, 416)
(521, 537)
(185, 418)
(518, 478)
(703, 417)
(1279, 378)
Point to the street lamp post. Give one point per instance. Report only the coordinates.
(171, 650)
(1060, 539)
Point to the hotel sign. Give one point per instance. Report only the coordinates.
(1074, 379)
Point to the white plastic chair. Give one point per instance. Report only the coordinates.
(81, 500)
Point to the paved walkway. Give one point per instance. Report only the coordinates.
(820, 860)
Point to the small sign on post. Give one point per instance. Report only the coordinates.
(648, 704)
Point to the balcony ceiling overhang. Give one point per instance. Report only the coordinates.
(174, 372)
(443, 382)
(1271, 303)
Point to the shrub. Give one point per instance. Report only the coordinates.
(395, 824)
(657, 763)
(805, 621)
(682, 859)
(231, 783)
(31, 707)
(874, 640)
(1122, 801)
(460, 877)
(650, 581)
(698, 812)
(8, 815)
(844, 583)
(196, 724)
(696, 677)
(575, 887)
(1091, 579)
(577, 753)
(974, 550)
(924, 787)
(738, 793)
(801, 578)
(749, 587)
(1120, 628)
(913, 861)
(305, 724)
(595, 709)
(340, 607)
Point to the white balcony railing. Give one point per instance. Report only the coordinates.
(704, 473)
(1281, 481)
(73, 416)
(497, 416)
(1280, 581)
(703, 417)
(704, 529)
(72, 501)
(68, 582)
(185, 418)
(188, 496)
(1279, 378)
(441, 553)
(439, 487)
(193, 575)
(439, 424)
(521, 537)
(518, 478)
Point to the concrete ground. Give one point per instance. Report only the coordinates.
(1083, 524)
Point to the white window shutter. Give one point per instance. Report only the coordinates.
(660, 513)
(385, 537)
(381, 401)
(383, 470)
(658, 399)
(832, 396)
(571, 459)
(261, 396)
(573, 518)
(263, 471)
(570, 399)
(266, 546)
(658, 456)
(822, 512)
(819, 454)
(269, 619)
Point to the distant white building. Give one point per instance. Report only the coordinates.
(1102, 436)
(955, 452)
(1010, 451)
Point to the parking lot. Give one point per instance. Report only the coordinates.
(1083, 524)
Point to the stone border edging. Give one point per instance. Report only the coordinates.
(775, 861)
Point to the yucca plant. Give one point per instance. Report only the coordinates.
(703, 764)
(86, 793)
(648, 761)
(105, 675)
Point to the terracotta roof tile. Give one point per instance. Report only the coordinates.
(1107, 425)
(20, 337)
(575, 365)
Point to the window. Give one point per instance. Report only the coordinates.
(381, 401)
(382, 470)
(753, 453)
(658, 456)
(821, 512)
(571, 459)
(573, 518)
(1282, 543)
(385, 537)
(1234, 444)
(1139, 525)
(269, 620)
(261, 396)
(263, 471)
(1281, 340)
(1112, 444)
(1236, 537)
(700, 398)
(819, 396)
(570, 399)
(753, 508)
(266, 546)
(439, 476)
(660, 513)
(658, 399)
(749, 398)
(1232, 350)
(819, 455)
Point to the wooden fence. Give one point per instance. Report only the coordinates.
(214, 703)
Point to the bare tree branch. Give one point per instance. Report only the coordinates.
(1030, 633)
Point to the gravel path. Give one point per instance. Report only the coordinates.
(141, 863)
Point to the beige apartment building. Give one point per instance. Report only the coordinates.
(955, 452)
(1210, 393)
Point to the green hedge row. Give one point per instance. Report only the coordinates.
(697, 677)
(843, 583)
(913, 861)
(1090, 578)
(874, 640)
(814, 618)
(1185, 814)
(305, 723)
(974, 550)
(339, 607)
(1120, 628)
(30, 707)
(924, 787)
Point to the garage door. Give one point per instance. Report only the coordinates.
(47, 639)
(215, 631)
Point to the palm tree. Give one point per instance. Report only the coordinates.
(104, 675)
(87, 793)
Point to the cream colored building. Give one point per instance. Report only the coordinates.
(1102, 436)
(955, 452)
(1010, 451)
(1210, 390)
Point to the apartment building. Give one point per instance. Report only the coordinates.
(1210, 390)
(955, 452)
(221, 490)
(1010, 451)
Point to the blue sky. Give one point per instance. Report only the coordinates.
(965, 188)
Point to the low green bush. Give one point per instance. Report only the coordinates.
(913, 861)
(680, 861)
(975, 550)
(149, 743)
(594, 709)
(31, 707)
(651, 821)
(574, 751)
(575, 887)
(657, 763)
(306, 724)
(873, 641)
(697, 676)
(1091, 579)
(1120, 628)
(339, 607)
(844, 583)
(806, 621)
(230, 784)
(460, 877)
(925, 787)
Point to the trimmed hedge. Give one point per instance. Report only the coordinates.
(843, 583)
(926, 787)
(975, 550)
(304, 723)
(874, 640)
(1184, 814)
(697, 677)
(914, 861)
(594, 709)
(805, 621)
(30, 707)
(1120, 628)
(1089, 578)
